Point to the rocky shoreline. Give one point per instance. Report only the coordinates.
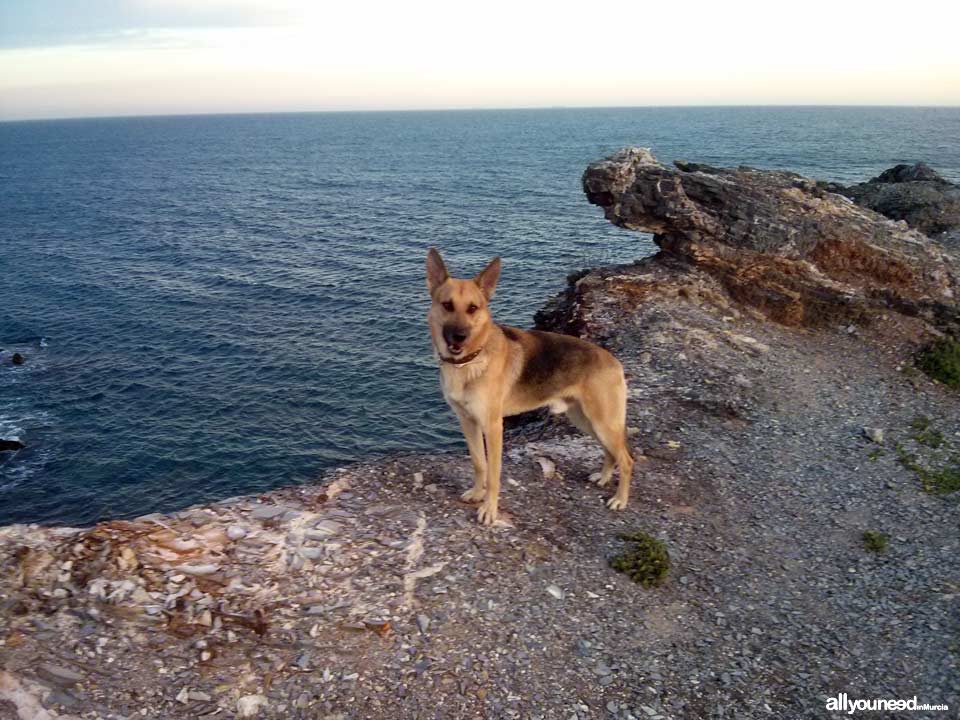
(769, 349)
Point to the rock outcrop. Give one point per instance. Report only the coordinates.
(779, 243)
(915, 194)
(10, 445)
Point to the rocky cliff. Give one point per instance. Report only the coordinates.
(777, 242)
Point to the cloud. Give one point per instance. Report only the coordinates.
(50, 23)
(186, 56)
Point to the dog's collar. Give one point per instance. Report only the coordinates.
(461, 361)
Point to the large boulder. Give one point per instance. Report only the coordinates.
(778, 242)
(915, 194)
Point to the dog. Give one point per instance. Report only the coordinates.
(490, 371)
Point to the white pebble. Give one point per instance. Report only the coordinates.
(236, 532)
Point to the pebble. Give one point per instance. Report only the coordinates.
(59, 674)
(198, 569)
(324, 529)
(250, 705)
(423, 622)
(267, 512)
(61, 697)
(236, 532)
(555, 591)
(547, 467)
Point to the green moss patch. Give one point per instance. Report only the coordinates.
(940, 481)
(875, 541)
(941, 361)
(645, 560)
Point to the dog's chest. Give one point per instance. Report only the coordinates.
(461, 389)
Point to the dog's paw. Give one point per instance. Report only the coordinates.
(474, 495)
(617, 503)
(487, 513)
(598, 479)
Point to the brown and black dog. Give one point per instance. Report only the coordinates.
(491, 371)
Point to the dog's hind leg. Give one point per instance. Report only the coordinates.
(579, 420)
(473, 434)
(614, 440)
(606, 413)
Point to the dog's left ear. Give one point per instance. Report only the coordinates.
(487, 279)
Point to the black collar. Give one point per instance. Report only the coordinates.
(459, 361)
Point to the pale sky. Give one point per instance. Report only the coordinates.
(74, 58)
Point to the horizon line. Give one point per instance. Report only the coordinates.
(133, 116)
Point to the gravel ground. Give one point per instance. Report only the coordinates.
(373, 594)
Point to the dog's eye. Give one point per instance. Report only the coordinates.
(448, 306)
(472, 309)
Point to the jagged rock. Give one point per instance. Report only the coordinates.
(908, 173)
(11, 445)
(777, 242)
(17, 359)
(913, 193)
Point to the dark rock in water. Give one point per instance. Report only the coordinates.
(779, 242)
(908, 173)
(915, 194)
(11, 445)
(17, 359)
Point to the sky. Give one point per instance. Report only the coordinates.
(79, 58)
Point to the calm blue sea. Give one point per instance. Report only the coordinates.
(219, 305)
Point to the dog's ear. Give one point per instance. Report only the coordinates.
(487, 279)
(436, 271)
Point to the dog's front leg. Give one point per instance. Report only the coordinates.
(487, 514)
(474, 437)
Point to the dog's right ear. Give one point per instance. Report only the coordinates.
(436, 271)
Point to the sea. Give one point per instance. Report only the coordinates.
(211, 306)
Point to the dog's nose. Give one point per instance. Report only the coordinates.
(455, 334)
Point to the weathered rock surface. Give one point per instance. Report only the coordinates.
(374, 594)
(777, 242)
(915, 194)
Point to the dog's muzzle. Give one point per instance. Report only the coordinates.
(455, 336)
